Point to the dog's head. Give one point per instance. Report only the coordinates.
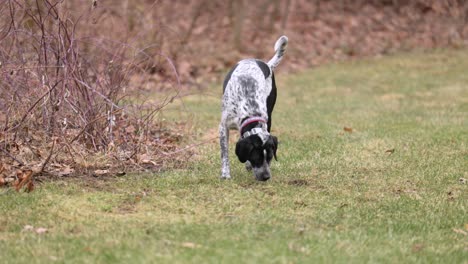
(259, 154)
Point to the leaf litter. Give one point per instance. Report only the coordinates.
(31, 158)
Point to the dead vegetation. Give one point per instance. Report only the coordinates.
(64, 97)
(75, 75)
(215, 34)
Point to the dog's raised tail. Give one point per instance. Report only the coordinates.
(280, 48)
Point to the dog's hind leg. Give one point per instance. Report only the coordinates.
(224, 143)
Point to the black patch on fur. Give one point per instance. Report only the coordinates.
(271, 100)
(251, 149)
(245, 147)
(271, 146)
(228, 77)
(264, 67)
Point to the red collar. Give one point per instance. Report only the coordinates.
(251, 120)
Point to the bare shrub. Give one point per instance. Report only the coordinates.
(64, 88)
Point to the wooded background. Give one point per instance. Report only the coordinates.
(203, 36)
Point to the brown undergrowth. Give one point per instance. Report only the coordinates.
(69, 102)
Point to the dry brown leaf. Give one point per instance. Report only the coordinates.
(190, 245)
(87, 249)
(28, 228)
(6, 168)
(65, 171)
(130, 129)
(36, 168)
(9, 179)
(390, 151)
(41, 230)
(143, 156)
(147, 161)
(460, 231)
(100, 172)
(30, 186)
(24, 179)
(417, 247)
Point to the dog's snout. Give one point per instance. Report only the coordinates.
(262, 173)
(264, 177)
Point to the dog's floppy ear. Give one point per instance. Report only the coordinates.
(243, 149)
(273, 142)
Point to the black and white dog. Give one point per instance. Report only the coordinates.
(248, 100)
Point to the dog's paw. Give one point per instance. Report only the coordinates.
(225, 177)
(248, 166)
(225, 173)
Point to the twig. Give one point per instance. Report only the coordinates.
(11, 156)
(48, 158)
(32, 107)
(88, 124)
(98, 93)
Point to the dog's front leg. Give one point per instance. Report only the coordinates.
(248, 166)
(224, 142)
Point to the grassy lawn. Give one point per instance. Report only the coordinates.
(389, 191)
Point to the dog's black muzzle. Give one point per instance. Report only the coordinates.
(262, 173)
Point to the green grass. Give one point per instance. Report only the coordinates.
(335, 196)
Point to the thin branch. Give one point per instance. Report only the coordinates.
(44, 164)
(33, 106)
(11, 156)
